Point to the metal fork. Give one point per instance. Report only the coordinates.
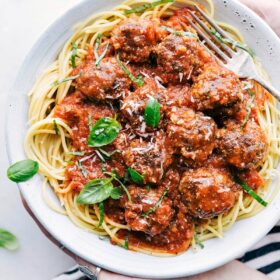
(235, 59)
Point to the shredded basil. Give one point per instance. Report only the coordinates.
(96, 47)
(74, 54)
(249, 108)
(233, 43)
(136, 177)
(55, 127)
(249, 190)
(108, 155)
(138, 81)
(71, 78)
(8, 240)
(81, 167)
(198, 242)
(152, 112)
(156, 206)
(101, 213)
(90, 126)
(104, 132)
(126, 244)
(180, 33)
(76, 153)
(147, 6)
(23, 170)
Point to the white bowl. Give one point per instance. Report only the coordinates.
(217, 252)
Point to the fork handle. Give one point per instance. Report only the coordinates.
(268, 87)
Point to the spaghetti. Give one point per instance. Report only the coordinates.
(50, 138)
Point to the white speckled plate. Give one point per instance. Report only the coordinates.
(217, 252)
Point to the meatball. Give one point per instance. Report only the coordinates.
(242, 147)
(216, 87)
(133, 106)
(149, 158)
(180, 57)
(136, 37)
(193, 134)
(107, 82)
(137, 213)
(208, 192)
(179, 95)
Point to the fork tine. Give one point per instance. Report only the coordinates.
(215, 49)
(212, 22)
(226, 49)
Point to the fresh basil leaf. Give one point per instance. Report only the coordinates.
(95, 191)
(152, 112)
(135, 176)
(8, 240)
(74, 54)
(101, 213)
(138, 81)
(115, 193)
(22, 170)
(147, 6)
(104, 132)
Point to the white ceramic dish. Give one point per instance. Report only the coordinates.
(87, 245)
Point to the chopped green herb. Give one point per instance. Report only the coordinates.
(22, 171)
(136, 177)
(108, 155)
(74, 54)
(115, 177)
(8, 240)
(152, 112)
(90, 126)
(101, 213)
(116, 194)
(138, 81)
(233, 43)
(71, 78)
(198, 242)
(96, 47)
(76, 153)
(55, 127)
(104, 132)
(249, 108)
(126, 245)
(97, 63)
(249, 190)
(81, 167)
(154, 208)
(147, 6)
(180, 33)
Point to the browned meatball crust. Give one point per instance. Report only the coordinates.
(193, 134)
(144, 200)
(216, 87)
(135, 38)
(149, 158)
(105, 83)
(208, 192)
(242, 147)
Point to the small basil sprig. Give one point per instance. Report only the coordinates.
(23, 170)
(135, 176)
(180, 33)
(152, 112)
(232, 42)
(138, 81)
(8, 240)
(101, 213)
(104, 132)
(74, 54)
(96, 191)
(95, 51)
(147, 6)
(156, 206)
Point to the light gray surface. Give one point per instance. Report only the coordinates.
(21, 22)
